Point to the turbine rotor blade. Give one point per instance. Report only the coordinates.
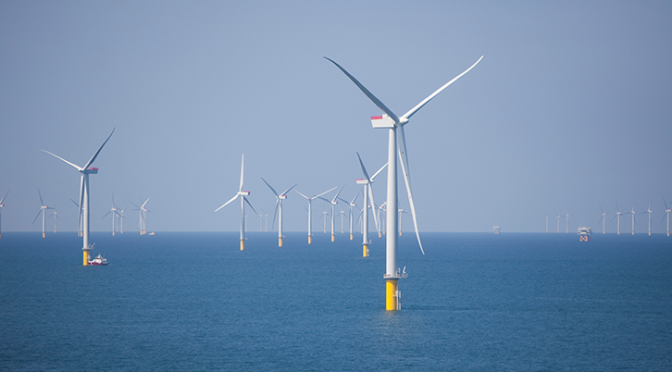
(3, 198)
(330, 190)
(58, 157)
(225, 204)
(412, 111)
(379, 170)
(373, 98)
(41, 201)
(366, 175)
(242, 169)
(93, 158)
(270, 187)
(407, 178)
(289, 189)
(38, 215)
(275, 214)
(248, 203)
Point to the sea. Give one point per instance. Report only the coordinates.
(474, 302)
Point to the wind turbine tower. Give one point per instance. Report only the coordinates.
(242, 195)
(604, 218)
(278, 208)
(1, 206)
(310, 212)
(632, 212)
(352, 205)
(86, 170)
(546, 223)
(395, 126)
(333, 203)
(114, 212)
(667, 212)
(567, 223)
(367, 182)
(43, 209)
(649, 211)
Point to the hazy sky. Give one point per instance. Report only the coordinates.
(570, 107)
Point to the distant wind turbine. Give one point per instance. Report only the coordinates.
(667, 213)
(567, 223)
(142, 216)
(617, 217)
(115, 213)
(310, 212)
(242, 195)
(86, 170)
(604, 218)
(278, 208)
(54, 214)
(1, 206)
(333, 203)
(351, 205)
(558, 217)
(547, 223)
(649, 211)
(42, 211)
(633, 213)
(368, 194)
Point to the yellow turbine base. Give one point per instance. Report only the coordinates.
(391, 295)
(380, 235)
(366, 251)
(310, 239)
(350, 236)
(86, 258)
(333, 237)
(618, 233)
(112, 233)
(649, 233)
(400, 233)
(242, 244)
(633, 233)
(668, 233)
(43, 234)
(279, 242)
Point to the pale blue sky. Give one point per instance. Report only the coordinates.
(569, 108)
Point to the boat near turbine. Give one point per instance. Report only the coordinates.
(98, 261)
(584, 234)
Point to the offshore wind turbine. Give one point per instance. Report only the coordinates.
(55, 215)
(278, 208)
(617, 216)
(547, 223)
(86, 170)
(649, 211)
(394, 123)
(558, 218)
(567, 223)
(310, 212)
(351, 205)
(1, 206)
(368, 193)
(333, 203)
(43, 209)
(400, 213)
(604, 218)
(633, 213)
(142, 216)
(79, 225)
(114, 212)
(667, 212)
(242, 195)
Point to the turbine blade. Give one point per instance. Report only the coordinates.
(355, 198)
(41, 201)
(424, 102)
(379, 170)
(81, 198)
(93, 158)
(106, 215)
(289, 189)
(366, 175)
(248, 203)
(269, 186)
(407, 178)
(242, 169)
(373, 98)
(298, 192)
(38, 215)
(275, 214)
(225, 204)
(58, 157)
(143, 204)
(330, 190)
(3, 198)
(337, 194)
(373, 206)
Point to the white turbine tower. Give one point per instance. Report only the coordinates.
(278, 208)
(333, 203)
(632, 212)
(558, 218)
(400, 213)
(310, 212)
(242, 195)
(567, 223)
(84, 196)
(649, 211)
(604, 218)
(368, 193)
(393, 123)
(546, 223)
(1, 206)
(351, 205)
(115, 213)
(667, 213)
(55, 215)
(142, 216)
(617, 216)
(43, 209)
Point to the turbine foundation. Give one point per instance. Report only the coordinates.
(280, 242)
(333, 237)
(43, 234)
(242, 244)
(392, 295)
(366, 251)
(310, 239)
(86, 258)
(350, 236)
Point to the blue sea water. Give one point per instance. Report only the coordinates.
(194, 301)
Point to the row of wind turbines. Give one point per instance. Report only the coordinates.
(617, 217)
(389, 121)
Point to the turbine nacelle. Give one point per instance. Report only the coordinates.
(244, 193)
(361, 181)
(91, 170)
(383, 121)
(282, 197)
